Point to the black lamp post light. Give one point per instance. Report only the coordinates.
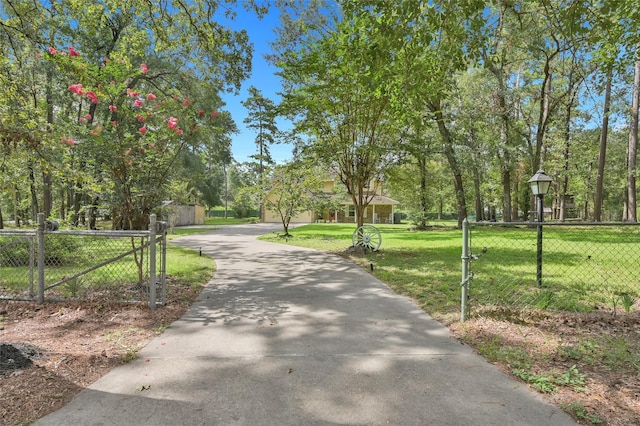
(540, 184)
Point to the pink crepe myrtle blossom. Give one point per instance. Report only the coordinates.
(92, 96)
(142, 130)
(113, 108)
(77, 89)
(73, 52)
(173, 123)
(200, 112)
(179, 131)
(151, 97)
(88, 116)
(214, 114)
(52, 51)
(137, 103)
(69, 141)
(185, 102)
(143, 68)
(114, 123)
(141, 118)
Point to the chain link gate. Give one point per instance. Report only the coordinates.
(51, 264)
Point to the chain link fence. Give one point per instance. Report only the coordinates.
(573, 267)
(18, 271)
(50, 264)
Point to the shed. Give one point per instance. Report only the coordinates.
(185, 214)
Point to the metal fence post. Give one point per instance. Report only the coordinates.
(40, 248)
(163, 266)
(32, 266)
(465, 270)
(152, 262)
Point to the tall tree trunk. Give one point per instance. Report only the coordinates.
(447, 141)
(564, 185)
(226, 190)
(35, 208)
(77, 203)
(597, 203)
(478, 192)
(506, 194)
(515, 201)
(62, 194)
(632, 153)
(1, 220)
(47, 199)
(16, 207)
(504, 149)
(422, 166)
(537, 159)
(93, 213)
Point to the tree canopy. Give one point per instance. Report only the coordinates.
(108, 102)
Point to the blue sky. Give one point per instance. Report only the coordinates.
(262, 77)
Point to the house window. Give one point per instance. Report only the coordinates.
(351, 211)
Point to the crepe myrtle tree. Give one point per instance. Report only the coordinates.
(127, 134)
(294, 188)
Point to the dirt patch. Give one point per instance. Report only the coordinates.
(12, 358)
(51, 352)
(588, 364)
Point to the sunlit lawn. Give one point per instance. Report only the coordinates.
(230, 220)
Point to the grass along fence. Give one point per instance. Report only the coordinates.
(585, 267)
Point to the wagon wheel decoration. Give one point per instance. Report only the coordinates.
(368, 237)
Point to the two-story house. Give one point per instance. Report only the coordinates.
(379, 210)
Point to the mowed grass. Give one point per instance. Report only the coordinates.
(584, 268)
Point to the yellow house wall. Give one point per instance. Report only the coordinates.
(272, 216)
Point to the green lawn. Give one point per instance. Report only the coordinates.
(229, 220)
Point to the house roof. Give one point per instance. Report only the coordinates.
(377, 199)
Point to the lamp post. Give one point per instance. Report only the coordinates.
(540, 184)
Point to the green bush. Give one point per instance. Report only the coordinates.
(14, 251)
(59, 250)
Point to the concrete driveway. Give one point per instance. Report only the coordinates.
(290, 336)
